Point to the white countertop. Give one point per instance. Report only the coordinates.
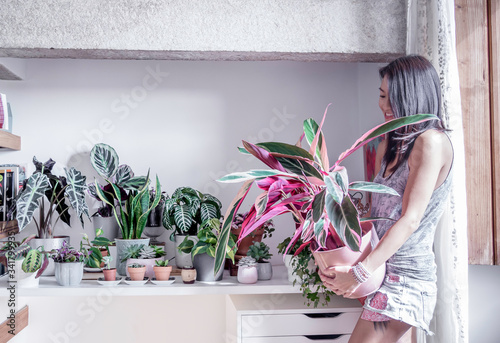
(228, 285)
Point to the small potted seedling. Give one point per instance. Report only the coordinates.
(247, 270)
(162, 270)
(260, 252)
(136, 271)
(109, 273)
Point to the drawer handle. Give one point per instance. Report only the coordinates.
(322, 315)
(322, 337)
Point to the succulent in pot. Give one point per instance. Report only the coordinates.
(162, 270)
(304, 183)
(147, 255)
(109, 273)
(136, 271)
(247, 270)
(260, 252)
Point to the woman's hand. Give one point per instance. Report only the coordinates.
(339, 280)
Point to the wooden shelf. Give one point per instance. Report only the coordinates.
(9, 141)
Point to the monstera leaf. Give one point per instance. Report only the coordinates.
(75, 191)
(29, 199)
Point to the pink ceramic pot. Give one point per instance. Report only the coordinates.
(346, 257)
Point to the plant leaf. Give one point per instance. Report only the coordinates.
(252, 175)
(334, 189)
(318, 205)
(105, 160)
(123, 174)
(286, 150)
(208, 211)
(382, 129)
(263, 155)
(28, 201)
(220, 250)
(365, 186)
(183, 217)
(75, 191)
(300, 167)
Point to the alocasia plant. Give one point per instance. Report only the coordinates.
(303, 183)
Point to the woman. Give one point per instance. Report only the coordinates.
(416, 162)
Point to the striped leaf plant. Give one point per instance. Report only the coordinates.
(304, 183)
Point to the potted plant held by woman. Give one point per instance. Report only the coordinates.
(50, 194)
(132, 196)
(184, 213)
(302, 182)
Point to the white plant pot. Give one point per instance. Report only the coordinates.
(247, 274)
(49, 244)
(24, 280)
(69, 273)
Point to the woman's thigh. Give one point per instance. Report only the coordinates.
(380, 332)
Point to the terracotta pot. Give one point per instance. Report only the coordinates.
(344, 256)
(104, 252)
(255, 236)
(136, 274)
(109, 274)
(148, 262)
(162, 273)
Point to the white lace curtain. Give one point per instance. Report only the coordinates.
(431, 33)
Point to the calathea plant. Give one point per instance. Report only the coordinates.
(130, 192)
(50, 193)
(188, 208)
(302, 182)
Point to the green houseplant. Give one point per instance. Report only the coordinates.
(109, 273)
(146, 255)
(203, 251)
(184, 213)
(260, 252)
(96, 249)
(131, 194)
(162, 270)
(53, 196)
(302, 182)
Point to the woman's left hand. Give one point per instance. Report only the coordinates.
(340, 280)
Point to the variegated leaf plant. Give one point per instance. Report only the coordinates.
(43, 185)
(187, 209)
(302, 182)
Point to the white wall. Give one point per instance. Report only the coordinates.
(184, 120)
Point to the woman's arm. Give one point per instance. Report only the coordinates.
(427, 161)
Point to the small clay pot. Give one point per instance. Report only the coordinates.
(188, 275)
(109, 274)
(137, 274)
(162, 273)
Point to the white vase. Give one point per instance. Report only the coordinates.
(247, 274)
(69, 273)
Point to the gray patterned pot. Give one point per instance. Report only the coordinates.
(121, 247)
(265, 270)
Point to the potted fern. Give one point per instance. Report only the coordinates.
(51, 196)
(304, 183)
(146, 255)
(132, 198)
(184, 213)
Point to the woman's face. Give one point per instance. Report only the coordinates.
(383, 100)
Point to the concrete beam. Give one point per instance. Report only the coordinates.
(308, 30)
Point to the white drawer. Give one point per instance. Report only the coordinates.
(298, 339)
(298, 324)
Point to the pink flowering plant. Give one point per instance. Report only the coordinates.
(304, 183)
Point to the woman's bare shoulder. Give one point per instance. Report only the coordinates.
(432, 143)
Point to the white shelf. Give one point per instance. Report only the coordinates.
(228, 285)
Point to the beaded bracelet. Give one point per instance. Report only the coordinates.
(360, 273)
